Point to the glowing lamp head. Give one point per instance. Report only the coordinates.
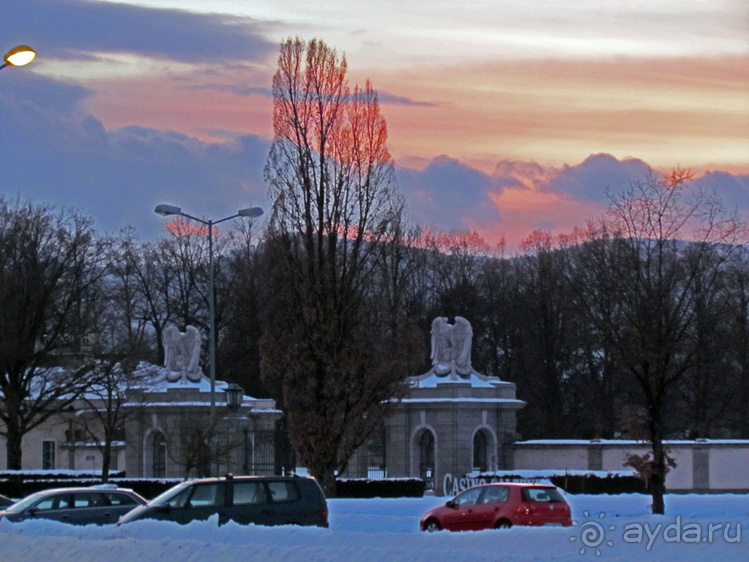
(20, 56)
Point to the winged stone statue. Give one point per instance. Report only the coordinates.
(182, 353)
(451, 346)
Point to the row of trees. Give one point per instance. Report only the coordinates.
(638, 323)
(597, 328)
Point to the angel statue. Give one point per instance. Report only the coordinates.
(182, 353)
(451, 346)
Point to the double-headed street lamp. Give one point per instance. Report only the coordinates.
(250, 213)
(18, 56)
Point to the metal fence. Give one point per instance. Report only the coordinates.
(268, 452)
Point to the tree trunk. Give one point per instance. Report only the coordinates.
(106, 460)
(326, 479)
(658, 477)
(13, 447)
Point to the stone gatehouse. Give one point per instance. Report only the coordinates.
(453, 420)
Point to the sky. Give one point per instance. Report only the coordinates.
(503, 117)
(608, 527)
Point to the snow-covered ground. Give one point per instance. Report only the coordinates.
(696, 527)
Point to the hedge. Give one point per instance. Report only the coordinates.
(21, 484)
(580, 483)
(386, 488)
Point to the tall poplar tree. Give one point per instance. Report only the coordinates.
(332, 351)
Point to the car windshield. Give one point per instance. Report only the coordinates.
(21, 506)
(169, 494)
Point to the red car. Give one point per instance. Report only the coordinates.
(500, 506)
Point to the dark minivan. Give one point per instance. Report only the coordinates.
(262, 500)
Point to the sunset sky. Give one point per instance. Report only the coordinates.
(503, 117)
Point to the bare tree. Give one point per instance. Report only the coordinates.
(547, 366)
(107, 410)
(737, 344)
(239, 354)
(195, 443)
(668, 250)
(50, 271)
(333, 360)
(124, 319)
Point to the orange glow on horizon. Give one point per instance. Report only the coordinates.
(182, 226)
(196, 112)
(690, 111)
(524, 210)
(664, 112)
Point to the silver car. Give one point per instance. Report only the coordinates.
(99, 505)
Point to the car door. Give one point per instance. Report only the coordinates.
(57, 507)
(286, 503)
(460, 514)
(88, 508)
(248, 503)
(206, 499)
(490, 503)
(120, 503)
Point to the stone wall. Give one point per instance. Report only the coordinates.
(701, 465)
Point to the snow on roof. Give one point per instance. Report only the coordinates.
(548, 473)
(193, 403)
(476, 380)
(631, 442)
(463, 400)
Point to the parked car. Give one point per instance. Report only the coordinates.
(262, 500)
(100, 505)
(500, 506)
(5, 501)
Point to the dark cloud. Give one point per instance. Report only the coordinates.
(63, 156)
(448, 194)
(602, 174)
(73, 28)
(733, 190)
(598, 176)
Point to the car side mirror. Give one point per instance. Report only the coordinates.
(450, 503)
(166, 508)
(32, 511)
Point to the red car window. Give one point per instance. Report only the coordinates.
(495, 494)
(469, 497)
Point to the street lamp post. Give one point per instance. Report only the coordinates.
(250, 213)
(18, 56)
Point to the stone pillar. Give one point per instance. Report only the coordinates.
(700, 468)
